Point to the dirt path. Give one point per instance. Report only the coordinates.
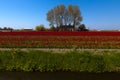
(59, 50)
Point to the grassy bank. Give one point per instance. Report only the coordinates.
(82, 61)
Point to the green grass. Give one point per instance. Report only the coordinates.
(76, 61)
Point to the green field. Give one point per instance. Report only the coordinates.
(75, 61)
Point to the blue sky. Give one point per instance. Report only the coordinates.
(97, 14)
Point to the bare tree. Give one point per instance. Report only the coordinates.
(74, 15)
(50, 17)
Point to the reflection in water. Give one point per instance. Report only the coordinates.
(57, 76)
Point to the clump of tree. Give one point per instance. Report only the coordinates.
(82, 28)
(40, 28)
(62, 16)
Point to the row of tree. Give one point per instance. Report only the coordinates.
(42, 28)
(6, 28)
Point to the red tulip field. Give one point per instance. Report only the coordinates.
(48, 39)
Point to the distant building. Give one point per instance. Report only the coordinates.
(27, 29)
(66, 28)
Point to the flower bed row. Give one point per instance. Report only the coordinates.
(60, 40)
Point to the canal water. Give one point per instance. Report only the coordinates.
(57, 76)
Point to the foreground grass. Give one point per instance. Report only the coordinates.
(78, 61)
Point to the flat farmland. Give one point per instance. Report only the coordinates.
(47, 39)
